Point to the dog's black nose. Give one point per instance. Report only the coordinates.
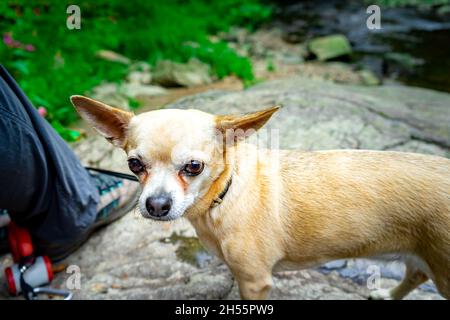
(158, 206)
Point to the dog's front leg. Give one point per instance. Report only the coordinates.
(254, 279)
(251, 268)
(255, 287)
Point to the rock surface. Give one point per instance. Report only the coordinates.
(136, 258)
(330, 47)
(320, 115)
(193, 73)
(337, 72)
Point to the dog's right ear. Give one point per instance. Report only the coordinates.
(234, 128)
(110, 122)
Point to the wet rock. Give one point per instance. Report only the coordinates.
(368, 78)
(444, 10)
(406, 60)
(330, 47)
(193, 73)
(333, 265)
(189, 250)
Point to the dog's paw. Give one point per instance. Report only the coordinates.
(381, 294)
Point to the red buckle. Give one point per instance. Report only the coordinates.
(20, 242)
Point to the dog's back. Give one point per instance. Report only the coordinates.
(358, 203)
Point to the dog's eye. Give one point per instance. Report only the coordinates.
(135, 165)
(193, 168)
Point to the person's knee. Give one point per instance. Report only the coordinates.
(24, 176)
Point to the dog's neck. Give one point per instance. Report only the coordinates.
(208, 221)
(222, 195)
(218, 190)
(214, 197)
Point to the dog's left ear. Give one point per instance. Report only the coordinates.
(238, 127)
(110, 122)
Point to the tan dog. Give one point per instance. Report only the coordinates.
(262, 209)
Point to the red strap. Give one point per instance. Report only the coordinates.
(19, 242)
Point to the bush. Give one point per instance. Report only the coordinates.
(52, 62)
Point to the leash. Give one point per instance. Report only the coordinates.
(114, 173)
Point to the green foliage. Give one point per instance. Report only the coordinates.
(223, 59)
(52, 62)
(133, 103)
(270, 65)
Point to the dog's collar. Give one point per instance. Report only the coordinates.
(219, 199)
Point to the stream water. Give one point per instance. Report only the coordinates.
(412, 46)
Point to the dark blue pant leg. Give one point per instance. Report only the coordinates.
(42, 183)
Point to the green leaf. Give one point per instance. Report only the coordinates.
(21, 66)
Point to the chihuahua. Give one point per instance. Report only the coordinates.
(261, 209)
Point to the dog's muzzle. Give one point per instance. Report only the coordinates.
(158, 206)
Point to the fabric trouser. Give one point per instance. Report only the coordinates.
(43, 185)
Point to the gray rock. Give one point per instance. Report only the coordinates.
(369, 78)
(404, 59)
(193, 73)
(310, 285)
(139, 77)
(444, 10)
(322, 115)
(141, 66)
(134, 90)
(266, 43)
(337, 72)
(333, 265)
(329, 47)
(118, 95)
(109, 93)
(112, 56)
(139, 72)
(289, 58)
